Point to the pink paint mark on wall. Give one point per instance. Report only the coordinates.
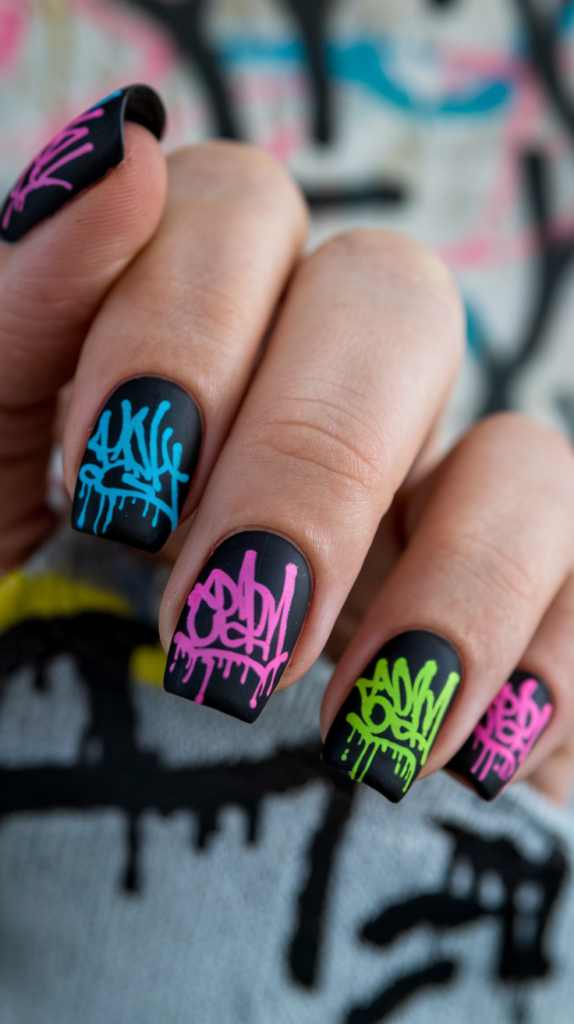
(244, 617)
(513, 723)
(154, 54)
(40, 172)
(12, 25)
(284, 142)
(497, 238)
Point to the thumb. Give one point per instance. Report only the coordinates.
(79, 214)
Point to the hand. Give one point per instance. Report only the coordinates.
(283, 409)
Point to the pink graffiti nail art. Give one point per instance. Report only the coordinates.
(77, 157)
(40, 173)
(505, 735)
(238, 628)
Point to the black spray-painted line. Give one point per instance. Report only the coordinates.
(541, 24)
(185, 22)
(522, 900)
(374, 193)
(306, 945)
(438, 973)
(114, 772)
(312, 18)
(553, 259)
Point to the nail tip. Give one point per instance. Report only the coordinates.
(145, 106)
(460, 776)
(232, 711)
(389, 794)
(151, 546)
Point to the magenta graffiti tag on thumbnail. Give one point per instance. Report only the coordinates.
(235, 624)
(39, 173)
(512, 724)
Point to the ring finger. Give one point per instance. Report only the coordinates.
(490, 548)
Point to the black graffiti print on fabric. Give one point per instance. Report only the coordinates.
(240, 624)
(386, 728)
(138, 464)
(77, 157)
(132, 781)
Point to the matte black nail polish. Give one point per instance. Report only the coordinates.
(505, 735)
(386, 728)
(138, 464)
(240, 624)
(77, 157)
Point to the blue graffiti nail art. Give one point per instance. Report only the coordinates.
(138, 464)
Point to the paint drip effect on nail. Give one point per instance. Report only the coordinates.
(508, 731)
(56, 154)
(244, 617)
(143, 457)
(409, 709)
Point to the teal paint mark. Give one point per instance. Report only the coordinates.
(475, 333)
(370, 64)
(566, 18)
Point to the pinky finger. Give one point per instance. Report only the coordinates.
(528, 729)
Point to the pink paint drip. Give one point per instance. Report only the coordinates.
(247, 630)
(39, 173)
(513, 723)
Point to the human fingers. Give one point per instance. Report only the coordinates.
(491, 547)
(63, 243)
(534, 707)
(171, 352)
(362, 357)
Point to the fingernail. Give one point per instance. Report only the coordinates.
(138, 464)
(386, 729)
(240, 624)
(505, 735)
(77, 157)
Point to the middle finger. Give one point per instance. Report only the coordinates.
(360, 363)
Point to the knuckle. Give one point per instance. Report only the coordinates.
(412, 279)
(204, 314)
(384, 253)
(331, 445)
(526, 448)
(500, 574)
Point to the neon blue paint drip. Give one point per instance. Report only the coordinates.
(139, 458)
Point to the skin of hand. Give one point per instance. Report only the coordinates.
(319, 381)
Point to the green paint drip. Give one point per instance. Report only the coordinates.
(411, 713)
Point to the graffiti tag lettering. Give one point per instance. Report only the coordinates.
(509, 730)
(410, 710)
(243, 615)
(144, 460)
(40, 172)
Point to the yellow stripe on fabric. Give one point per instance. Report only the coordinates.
(50, 596)
(147, 664)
